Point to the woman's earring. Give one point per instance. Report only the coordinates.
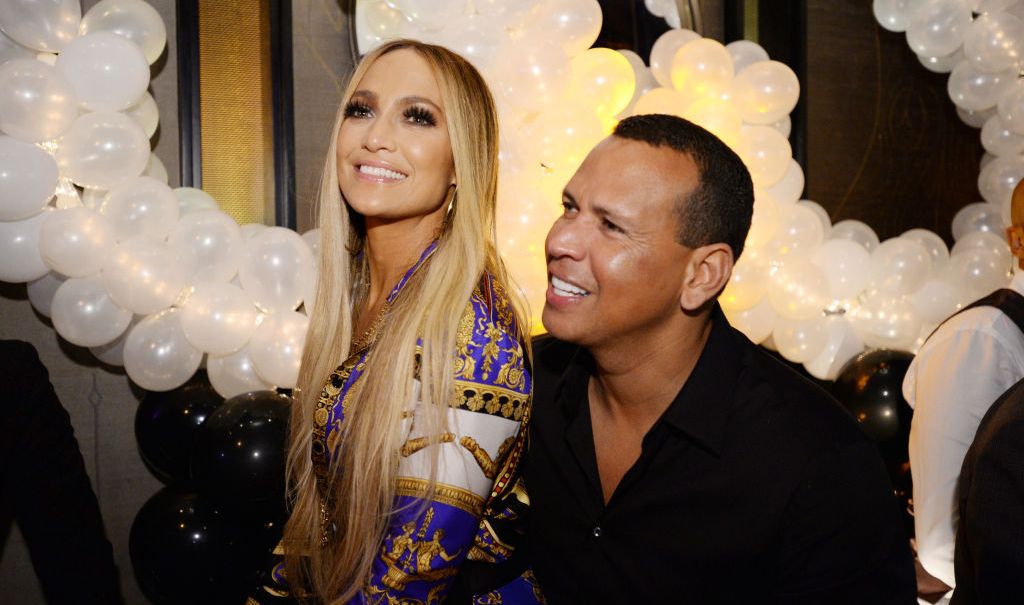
(450, 212)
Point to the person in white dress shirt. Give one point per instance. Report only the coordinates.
(962, 368)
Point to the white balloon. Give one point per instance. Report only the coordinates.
(765, 92)
(976, 90)
(93, 198)
(748, 283)
(156, 169)
(791, 186)
(20, 260)
(800, 340)
(764, 224)
(277, 269)
(141, 206)
(855, 231)
(993, 42)
(899, 266)
(997, 180)
(943, 64)
(993, 242)
(276, 347)
(979, 271)
(251, 229)
(841, 345)
(477, 39)
(893, 15)
(430, 15)
(933, 243)
(1011, 107)
(885, 321)
(575, 24)
(143, 275)
(28, 179)
(9, 49)
(191, 199)
(312, 239)
(799, 290)
(702, 69)
(84, 314)
(745, 52)
(799, 232)
(975, 119)
(766, 153)
(47, 25)
(36, 102)
(846, 267)
(112, 353)
(157, 356)
(998, 139)
(132, 19)
(664, 51)
(146, 113)
(106, 71)
(234, 374)
(821, 213)
(756, 322)
(218, 318)
(41, 291)
(935, 300)
(938, 27)
(532, 78)
(977, 217)
(103, 149)
(784, 126)
(76, 241)
(209, 245)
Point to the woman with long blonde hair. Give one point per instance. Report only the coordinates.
(414, 390)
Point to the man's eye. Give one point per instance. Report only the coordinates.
(568, 207)
(610, 225)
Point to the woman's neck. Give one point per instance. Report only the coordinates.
(391, 249)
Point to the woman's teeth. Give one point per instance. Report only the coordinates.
(381, 172)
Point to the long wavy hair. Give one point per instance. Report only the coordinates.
(363, 475)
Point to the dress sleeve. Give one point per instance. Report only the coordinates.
(432, 535)
(956, 378)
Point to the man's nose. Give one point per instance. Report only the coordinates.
(566, 239)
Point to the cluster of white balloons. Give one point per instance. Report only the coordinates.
(146, 276)
(157, 278)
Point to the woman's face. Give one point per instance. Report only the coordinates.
(394, 155)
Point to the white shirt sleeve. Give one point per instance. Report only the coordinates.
(954, 380)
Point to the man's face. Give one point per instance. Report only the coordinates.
(615, 267)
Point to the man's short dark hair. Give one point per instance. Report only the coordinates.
(720, 206)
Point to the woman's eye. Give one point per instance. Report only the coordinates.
(356, 109)
(420, 116)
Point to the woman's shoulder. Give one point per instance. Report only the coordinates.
(491, 374)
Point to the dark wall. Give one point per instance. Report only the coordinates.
(884, 143)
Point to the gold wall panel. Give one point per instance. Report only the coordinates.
(236, 107)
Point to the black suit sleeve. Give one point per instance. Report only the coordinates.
(843, 541)
(44, 484)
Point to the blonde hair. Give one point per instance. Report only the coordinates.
(363, 477)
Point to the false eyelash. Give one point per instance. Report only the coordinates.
(421, 116)
(356, 109)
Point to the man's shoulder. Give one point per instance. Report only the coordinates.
(788, 406)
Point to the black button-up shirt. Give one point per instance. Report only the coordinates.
(754, 486)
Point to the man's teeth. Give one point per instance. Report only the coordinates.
(381, 172)
(564, 288)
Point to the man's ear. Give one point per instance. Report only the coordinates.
(708, 270)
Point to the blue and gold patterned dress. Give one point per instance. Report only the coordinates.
(478, 492)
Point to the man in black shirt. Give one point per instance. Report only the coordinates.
(671, 460)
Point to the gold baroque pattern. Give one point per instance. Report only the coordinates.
(451, 495)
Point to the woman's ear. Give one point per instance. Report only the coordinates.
(709, 269)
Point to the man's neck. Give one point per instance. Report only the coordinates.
(636, 379)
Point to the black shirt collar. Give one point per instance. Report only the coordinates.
(700, 410)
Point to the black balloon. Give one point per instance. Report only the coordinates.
(239, 455)
(185, 551)
(871, 387)
(166, 425)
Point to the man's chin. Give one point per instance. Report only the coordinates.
(559, 326)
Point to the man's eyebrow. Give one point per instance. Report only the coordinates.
(568, 197)
(605, 212)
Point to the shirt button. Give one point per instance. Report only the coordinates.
(596, 532)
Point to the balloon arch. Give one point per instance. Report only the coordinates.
(156, 278)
